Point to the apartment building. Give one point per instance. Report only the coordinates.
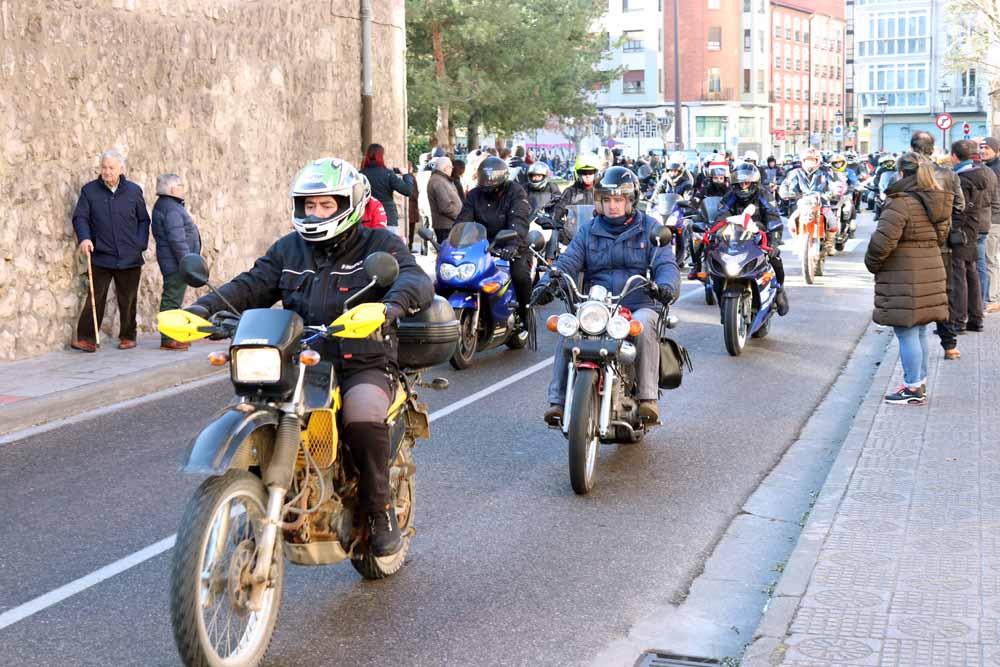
(807, 70)
(901, 81)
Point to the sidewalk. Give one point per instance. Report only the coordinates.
(68, 382)
(899, 563)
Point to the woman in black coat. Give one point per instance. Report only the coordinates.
(385, 181)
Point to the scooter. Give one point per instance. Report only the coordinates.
(479, 287)
(737, 257)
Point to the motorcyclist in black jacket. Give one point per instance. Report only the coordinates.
(498, 204)
(581, 193)
(746, 190)
(313, 271)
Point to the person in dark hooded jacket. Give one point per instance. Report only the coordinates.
(910, 280)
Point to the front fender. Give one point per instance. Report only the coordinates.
(459, 299)
(212, 451)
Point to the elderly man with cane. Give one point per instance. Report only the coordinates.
(112, 227)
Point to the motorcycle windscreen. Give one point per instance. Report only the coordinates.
(465, 234)
(578, 215)
(710, 206)
(665, 203)
(886, 179)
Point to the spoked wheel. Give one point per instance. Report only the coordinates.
(465, 349)
(583, 432)
(808, 257)
(402, 488)
(736, 322)
(220, 617)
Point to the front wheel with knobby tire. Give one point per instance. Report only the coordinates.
(808, 258)
(582, 433)
(220, 617)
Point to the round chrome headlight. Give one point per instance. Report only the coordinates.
(567, 325)
(593, 317)
(466, 271)
(618, 327)
(448, 271)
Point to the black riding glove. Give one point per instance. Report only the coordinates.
(662, 294)
(224, 323)
(200, 311)
(507, 253)
(393, 311)
(541, 295)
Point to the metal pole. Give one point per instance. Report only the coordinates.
(944, 133)
(678, 137)
(367, 88)
(881, 132)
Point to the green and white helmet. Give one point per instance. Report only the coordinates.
(328, 176)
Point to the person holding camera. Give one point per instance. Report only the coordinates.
(979, 186)
(911, 286)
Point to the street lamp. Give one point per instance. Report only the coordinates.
(944, 90)
(883, 102)
(639, 115)
(840, 141)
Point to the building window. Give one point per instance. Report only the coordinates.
(713, 4)
(798, 36)
(969, 82)
(631, 5)
(633, 40)
(714, 80)
(903, 85)
(805, 37)
(796, 94)
(788, 93)
(777, 31)
(777, 62)
(747, 41)
(760, 81)
(746, 81)
(634, 82)
(760, 41)
(715, 38)
(746, 5)
(798, 65)
(747, 128)
(894, 33)
(709, 126)
(659, 40)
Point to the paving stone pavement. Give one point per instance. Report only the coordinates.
(899, 564)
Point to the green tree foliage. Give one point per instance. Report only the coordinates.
(974, 27)
(504, 65)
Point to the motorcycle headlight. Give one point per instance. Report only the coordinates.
(448, 271)
(618, 327)
(257, 364)
(733, 264)
(593, 317)
(466, 271)
(567, 325)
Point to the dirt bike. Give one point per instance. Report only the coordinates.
(808, 226)
(281, 483)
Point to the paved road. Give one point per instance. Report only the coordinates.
(509, 567)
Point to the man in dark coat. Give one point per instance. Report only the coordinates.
(979, 185)
(112, 226)
(922, 143)
(989, 151)
(443, 199)
(176, 236)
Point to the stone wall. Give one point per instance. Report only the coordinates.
(233, 95)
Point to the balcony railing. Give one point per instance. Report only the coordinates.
(723, 95)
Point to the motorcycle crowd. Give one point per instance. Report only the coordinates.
(312, 462)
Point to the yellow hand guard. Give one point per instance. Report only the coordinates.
(361, 321)
(181, 325)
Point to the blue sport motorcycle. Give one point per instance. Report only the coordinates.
(478, 286)
(740, 273)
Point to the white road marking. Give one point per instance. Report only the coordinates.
(56, 596)
(83, 583)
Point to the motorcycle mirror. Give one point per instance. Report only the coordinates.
(661, 235)
(672, 321)
(194, 270)
(382, 268)
(504, 236)
(426, 234)
(536, 240)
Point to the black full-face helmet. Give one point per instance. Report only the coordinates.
(617, 181)
(492, 174)
(746, 178)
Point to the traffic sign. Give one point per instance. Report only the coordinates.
(838, 132)
(966, 129)
(779, 135)
(944, 121)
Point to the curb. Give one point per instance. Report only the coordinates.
(767, 646)
(71, 402)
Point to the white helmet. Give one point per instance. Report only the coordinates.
(339, 179)
(751, 156)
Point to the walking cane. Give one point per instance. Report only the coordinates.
(93, 301)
